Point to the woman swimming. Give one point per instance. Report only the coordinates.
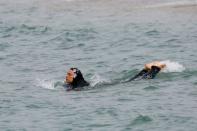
(74, 80)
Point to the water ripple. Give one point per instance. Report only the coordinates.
(141, 119)
(4, 46)
(35, 29)
(109, 42)
(148, 88)
(152, 33)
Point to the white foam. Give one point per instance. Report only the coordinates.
(173, 4)
(47, 84)
(97, 80)
(172, 66)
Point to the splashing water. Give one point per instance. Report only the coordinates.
(172, 66)
(97, 80)
(47, 84)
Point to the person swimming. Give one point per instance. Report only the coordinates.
(150, 71)
(74, 80)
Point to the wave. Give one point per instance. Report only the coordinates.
(4, 46)
(97, 80)
(25, 29)
(141, 119)
(174, 4)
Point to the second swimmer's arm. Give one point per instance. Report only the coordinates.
(156, 63)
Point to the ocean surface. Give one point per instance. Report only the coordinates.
(109, 41)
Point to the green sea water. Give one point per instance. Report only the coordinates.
(109, 41)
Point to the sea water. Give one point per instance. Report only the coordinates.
(109, 41)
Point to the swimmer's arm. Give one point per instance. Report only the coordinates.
(156, 63)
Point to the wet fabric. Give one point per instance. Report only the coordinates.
(146, 74)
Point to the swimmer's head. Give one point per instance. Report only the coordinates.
(73, 75)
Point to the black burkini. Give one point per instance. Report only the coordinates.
(146, 74)
(78, 82)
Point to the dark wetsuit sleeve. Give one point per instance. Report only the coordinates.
(152, 73)
(139, 75)
(145, 74)
(80, 84)
(84, 83)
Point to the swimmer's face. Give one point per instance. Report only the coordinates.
(70, 76)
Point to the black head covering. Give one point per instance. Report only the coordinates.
(78, 80)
